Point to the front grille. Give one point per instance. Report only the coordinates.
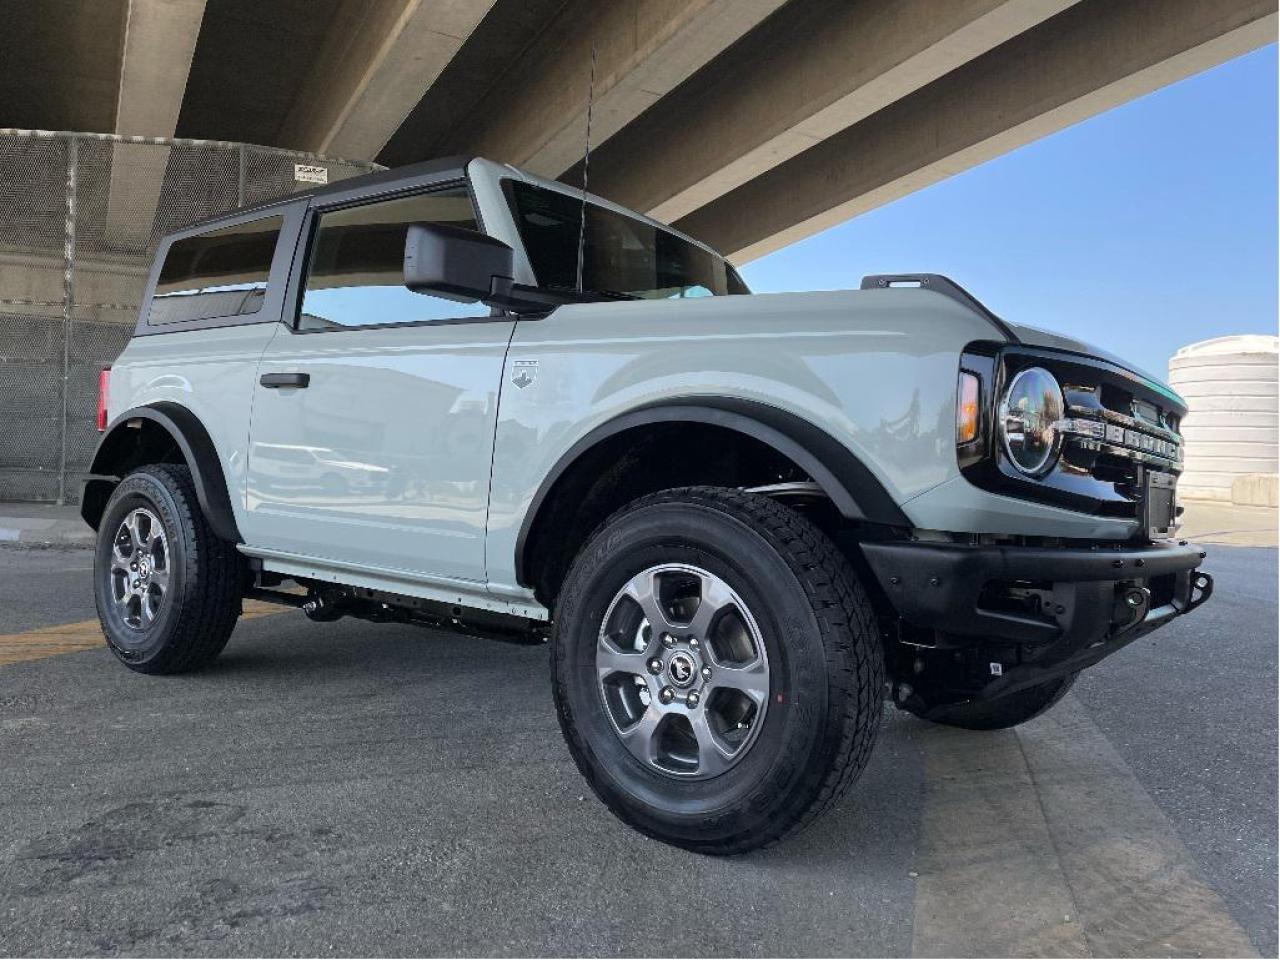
(1115, 448)
(1120, 440)
(1109, 417)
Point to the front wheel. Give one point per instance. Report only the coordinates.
(167, 588)
(718, 674)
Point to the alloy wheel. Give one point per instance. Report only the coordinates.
(683, 671)
(139, 572)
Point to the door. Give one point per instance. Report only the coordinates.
(372, 431)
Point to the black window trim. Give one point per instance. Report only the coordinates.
(291, 212)
(310, 228)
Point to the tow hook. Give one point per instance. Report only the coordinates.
(1131, 606)
(1202, 589)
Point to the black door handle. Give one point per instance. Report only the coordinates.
(277, 380)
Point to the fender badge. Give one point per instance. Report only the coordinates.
(524, 372)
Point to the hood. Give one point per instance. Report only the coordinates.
(1035, 337)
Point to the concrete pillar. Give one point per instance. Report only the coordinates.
(160, 40)
(375, 64)
(535, 117)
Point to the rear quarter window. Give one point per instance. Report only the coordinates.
(221, 273)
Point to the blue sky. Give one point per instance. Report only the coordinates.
(1143, 229)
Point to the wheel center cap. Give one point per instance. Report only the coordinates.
(144, 569)
(681, 669)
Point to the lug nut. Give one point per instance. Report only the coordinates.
(693, 642)
(668, 641)
(666, 695)
(136, 584)
(706, 673)
(692, 699)
(655, 666)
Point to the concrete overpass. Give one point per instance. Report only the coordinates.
(749, 123)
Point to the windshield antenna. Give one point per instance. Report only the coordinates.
(586, 164)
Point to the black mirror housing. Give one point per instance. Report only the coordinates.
(455, 263)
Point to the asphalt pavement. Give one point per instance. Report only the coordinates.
(350, 788)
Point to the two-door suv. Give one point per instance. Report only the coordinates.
(458, 395)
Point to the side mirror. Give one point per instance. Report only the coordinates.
(456, 263)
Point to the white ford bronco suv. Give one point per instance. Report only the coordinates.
(458, 395)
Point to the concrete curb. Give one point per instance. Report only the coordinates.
(1256, 490)
(1216, 521)
(44, 532)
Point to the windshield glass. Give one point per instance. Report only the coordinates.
(621, 254)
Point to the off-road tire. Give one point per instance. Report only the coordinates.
(1007, 711)
(826, 668)
(203, 598)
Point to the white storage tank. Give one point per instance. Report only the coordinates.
(1232, 427)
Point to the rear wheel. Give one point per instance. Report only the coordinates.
(167, 588)
(717, 670)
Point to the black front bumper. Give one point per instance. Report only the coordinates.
(1051, 610)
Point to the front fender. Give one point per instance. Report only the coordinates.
(852, 488)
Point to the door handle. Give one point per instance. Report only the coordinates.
(274, 381)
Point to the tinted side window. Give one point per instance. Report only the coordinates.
(356, 274)
(222, 273)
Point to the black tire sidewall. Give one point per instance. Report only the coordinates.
(752, 792)
(133, 646)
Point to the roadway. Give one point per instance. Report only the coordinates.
(348, 788)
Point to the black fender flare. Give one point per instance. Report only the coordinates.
(197, 450)
(853, 489)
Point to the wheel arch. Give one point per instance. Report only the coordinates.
(167, 432)
(852, 488)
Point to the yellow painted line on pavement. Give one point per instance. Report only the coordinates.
(1041, 842)
(85, 635)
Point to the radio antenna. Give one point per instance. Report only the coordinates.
(586, 164)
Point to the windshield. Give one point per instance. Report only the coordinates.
(621, 254)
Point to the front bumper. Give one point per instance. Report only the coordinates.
(1047, 611)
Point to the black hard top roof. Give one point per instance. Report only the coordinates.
(376, 182)
(410, 171)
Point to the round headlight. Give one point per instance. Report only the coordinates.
(1029, 415)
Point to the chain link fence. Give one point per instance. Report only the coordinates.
(80, 218)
